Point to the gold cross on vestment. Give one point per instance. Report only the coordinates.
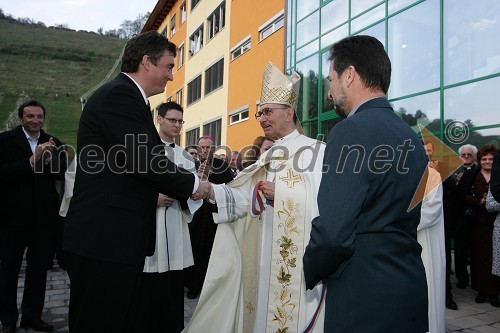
(291, 178)
(250, 307)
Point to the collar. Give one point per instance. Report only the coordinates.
(357, 107)
(28, 136)
(171, 144)
(140, 88)
(287, 138)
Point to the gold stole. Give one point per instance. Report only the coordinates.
(286, 258)
(287, 252)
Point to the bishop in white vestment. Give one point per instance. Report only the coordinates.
(255, 281)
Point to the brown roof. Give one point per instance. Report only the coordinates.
(158, 15)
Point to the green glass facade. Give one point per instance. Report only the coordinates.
(445, 58)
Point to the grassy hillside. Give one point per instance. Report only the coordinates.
(55, 67)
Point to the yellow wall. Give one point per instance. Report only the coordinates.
(245, 72)
(213, 105)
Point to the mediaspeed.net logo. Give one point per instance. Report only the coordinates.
(447, 160)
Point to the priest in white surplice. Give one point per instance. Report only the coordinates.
(162, 295)
(255, 281)
(430, 235)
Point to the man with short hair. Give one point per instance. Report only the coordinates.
(255, 274)
(30, 163)
(364, 243)
(162, 295)
(461, 230)
(235, 162)
(110, 227)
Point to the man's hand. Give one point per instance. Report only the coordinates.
(165, 200)
(267, 189)
(204, 170)
(203, 192)
(43, 150)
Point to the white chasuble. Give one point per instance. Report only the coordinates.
(255, 281)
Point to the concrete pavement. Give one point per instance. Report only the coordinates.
(469, 318)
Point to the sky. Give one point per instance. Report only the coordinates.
(88, 15)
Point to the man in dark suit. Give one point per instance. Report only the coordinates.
(111, 223)
(363, 245)
(202, 228)
(30, 163)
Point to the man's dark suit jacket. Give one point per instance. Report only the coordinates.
(112, 213)
(28, 198)
(364, 244)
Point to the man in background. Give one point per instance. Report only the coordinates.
(202, 228)
(30, 163)
(162, 296)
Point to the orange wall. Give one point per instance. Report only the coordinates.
(245, 72)
(177, 39)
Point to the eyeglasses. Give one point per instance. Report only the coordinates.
(174, 121)
(266, 112)
(466, 155)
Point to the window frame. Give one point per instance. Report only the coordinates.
(198, 31)
(240, 47)
(239, 112)
(172, 29)
(215, 74)
(190, 99)
(271, 24)
(219, 12)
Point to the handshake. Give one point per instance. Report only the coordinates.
(205, 191)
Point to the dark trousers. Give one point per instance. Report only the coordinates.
(161, 305)
(462, 243)
(104, 296)
(447, 245)
(13, 243)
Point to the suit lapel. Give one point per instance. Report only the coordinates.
(21, 141)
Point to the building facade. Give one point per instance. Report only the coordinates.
(445, 61)
(223, 48)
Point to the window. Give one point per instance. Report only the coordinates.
(196, 41)
(192, 136)
(214, 130)
(169, 99)
(178, 98)
(216, 21)
(180, 55)
(241, 48)
(214, 76)
(164, 32)
(238, 116)
(194, 3)
(183, 12)
(194, 90)
(268, 29)
(172, 26)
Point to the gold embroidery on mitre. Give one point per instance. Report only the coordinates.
(291, 178)
(284, 300)
(280, 88)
